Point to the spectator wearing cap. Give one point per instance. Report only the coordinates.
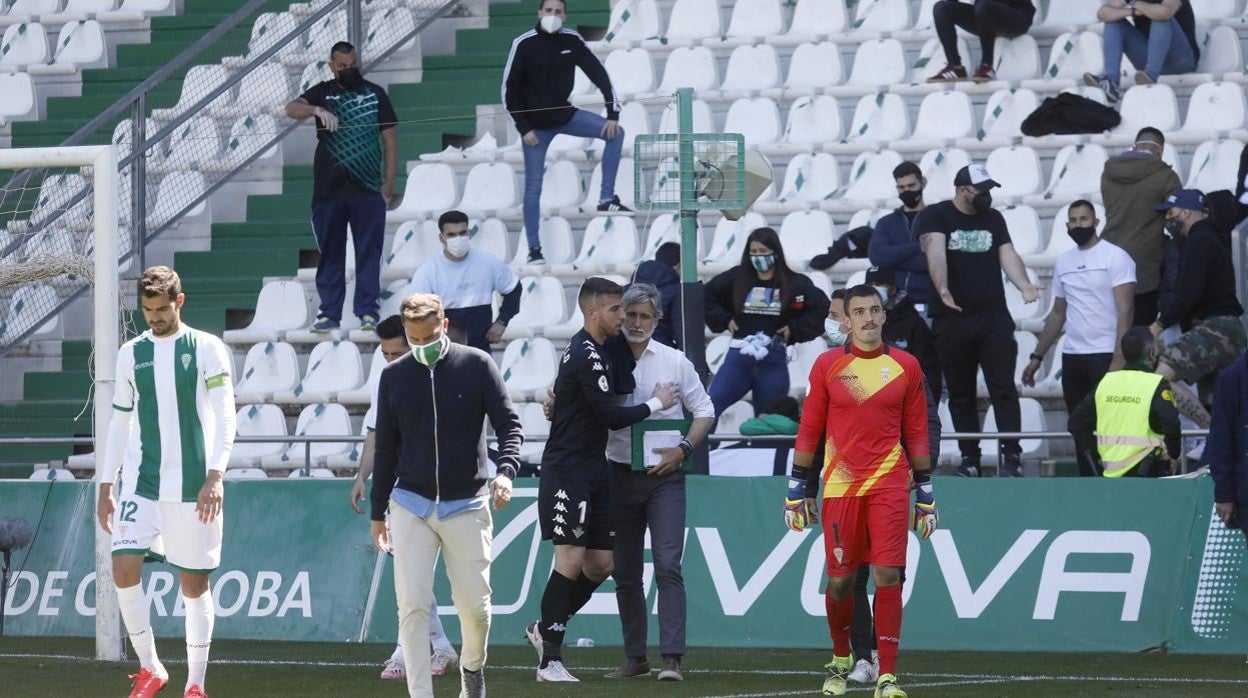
(984, 18)
(663, 272)
(1204, 307)
(1131, 186)
(894, 247)
(904, 328)
(1158, 36)
(968, 245)
(1093, 291)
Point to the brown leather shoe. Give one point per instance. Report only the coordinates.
(631, 668)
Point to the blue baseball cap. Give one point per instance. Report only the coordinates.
(1189, 199)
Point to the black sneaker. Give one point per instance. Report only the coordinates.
(535, 255)
(1011, 466)
(614, 206)
(969, 467)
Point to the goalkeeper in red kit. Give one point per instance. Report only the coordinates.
(869, 399)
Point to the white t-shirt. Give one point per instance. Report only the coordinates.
(466, 283)
(165, 381)
(1086, 279)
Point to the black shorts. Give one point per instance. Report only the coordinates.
(576, 512)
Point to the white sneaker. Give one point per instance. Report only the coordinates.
(394, 670)
(865, 672)
(554, 672)
(534, 635)
(441, 661)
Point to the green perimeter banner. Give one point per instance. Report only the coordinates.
(1040, 564)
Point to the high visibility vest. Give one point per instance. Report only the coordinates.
(1124, 437)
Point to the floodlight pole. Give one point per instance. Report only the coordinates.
(693, 309)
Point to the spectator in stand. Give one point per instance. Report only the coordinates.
(537, 81)
(1226, 451)
(466, 280)
(1205, 306)
(1158, 36)
(765, 305)
(663, 272)
(968, 246)
(1093, 290)
(836, 325)
(904, 328)
(1131, 185)
(985, 19)
(894, 247)
(1128, 424)
(353, 172)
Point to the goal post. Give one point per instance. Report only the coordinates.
(98, 166)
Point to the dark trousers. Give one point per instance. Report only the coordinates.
(983, 18)
(366, 214)
(641, 501)
(966, 342)
(740, 374)
(1145, 309)
(1080, 374)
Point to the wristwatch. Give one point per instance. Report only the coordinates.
(1037, 357)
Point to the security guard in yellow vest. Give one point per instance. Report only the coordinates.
(1129, 424)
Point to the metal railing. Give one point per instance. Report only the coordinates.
(211, 135)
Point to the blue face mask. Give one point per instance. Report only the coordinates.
(832, 330)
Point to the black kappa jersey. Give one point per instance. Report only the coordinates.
(586, 408)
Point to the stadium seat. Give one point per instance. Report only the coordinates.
(665, 228)
(1003, 117)
(413, 243)
(321, 473)
(922, 28)
(703, 122)
(758, 119)
(939, 167)
(812, 122)
(561, 185)
(17, 12)
(812, 68)
(314, 73)
(140, 10)
(635, 122)
(750, 69)
(1019, 168)
(314, 420)
(23, 45)
(810, 178)
(175, 194)
(631, 71)
(1064, 16)
(804, 355)
(717, 351)
(882, 16)
(51, 474)
(871, 178)
(609, 242)
(1014, 298)
(692, 21)
(268, 368)
(248, 135)
(258, 420)
(1143, 105)
(867, 216)
(199, 81)
(528, 367)
(623, 187)
(191, 144)
(1073, 54)
(79, 45)
(269, 28)
(1206, 10)
(1213, 109)
(542, 304)
(26, 306)
(536, 428)
(692, 66)
(1033, 420)
(753, 19)
(331, 28)
(386, 29)
(557, 244)
(1017, 59)
(1215, 165)
(363, 395)
(265, 89)
(19, 102)
(857, 278)
(430, 189)
(728, 242)
(804, 234)
(233, 473)
(931, 58)
(490, 235)
(1220, 52)
(491, 186)
(281, 306)
(1024, 227)
(878, 119)
(878, 65)
(730, 419)
(333, 366)
(943, 116)
(1076, 173)
(813, 19)
(632, 22)
(821, 281)
(391, 297)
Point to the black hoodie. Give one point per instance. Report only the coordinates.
(540, 73)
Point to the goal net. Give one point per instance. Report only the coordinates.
(59, 242)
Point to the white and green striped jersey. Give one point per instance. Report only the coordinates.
(165, 382)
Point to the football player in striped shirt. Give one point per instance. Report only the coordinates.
(170, 437)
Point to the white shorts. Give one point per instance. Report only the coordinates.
(169, 531)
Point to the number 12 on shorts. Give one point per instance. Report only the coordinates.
(127, 511)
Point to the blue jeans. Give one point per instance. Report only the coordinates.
(367, 216)
(1165, 51)
(583, 124)
(739, 374)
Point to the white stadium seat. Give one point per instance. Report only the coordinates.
(51, 474)
(1214, 108)
(413, 243)
(199, 81)
(490, 186)
(1014, 299)
(386, 28)
(689, 67)
(281, 306)
(1206, 10)
(812, 68)
(391, 297)
(1017, 59)
(631, 71)
(810, 178)
(755, 19)
(871, 177)
(733, 415)
(430, 189)
(1220, 52)
(23, 45)
(1064, 15)
(26, 11)
(878, 118)
(939, 167)
(758, 119)
(314, 420)
(632, 21)
(803, 360)
(728, 241)
(635, 122)
(1076, 173)
(923, 23)
(692, 21)
(19, 97)
(269, 28)
(1215, 165)
(174, 194)
(79, 45)
(1019, 168)
(878, 63)
(703, 122)
(333, 366)
(248, 134)
(882, 15)
(267, 88)
(528, 367)
(25, 307)
(268, 368)
(1073, 54)
(536, 428)
(1003, 116)
(943, 116)
(191, 144)
(623, 186)
(314, 73)
(542, 304)
(258, 420)
(609, 242)
(139, 10)
(717, 351)
(811, 19)
(233, 473)
(561, 185)
(812, 121)
(750, 69)
(490, 235)
(804, 234)
(556, 239)
(363, 395)
(1024, 227)
(1143, 105)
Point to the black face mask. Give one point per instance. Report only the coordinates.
(982, 201)
(910, 199)
(1081, 235)
(350, 78)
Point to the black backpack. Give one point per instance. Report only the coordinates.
(1069, 113)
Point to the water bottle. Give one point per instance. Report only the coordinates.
(583, 642)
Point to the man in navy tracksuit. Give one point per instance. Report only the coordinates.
(893, 244)
(1226, 450)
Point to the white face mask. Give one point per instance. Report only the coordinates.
(551, 24)
(832, 330)
(458, 245)
(883, 291)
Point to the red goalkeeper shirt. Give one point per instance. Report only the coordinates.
(867, 403)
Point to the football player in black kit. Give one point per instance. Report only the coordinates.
(574, 498)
